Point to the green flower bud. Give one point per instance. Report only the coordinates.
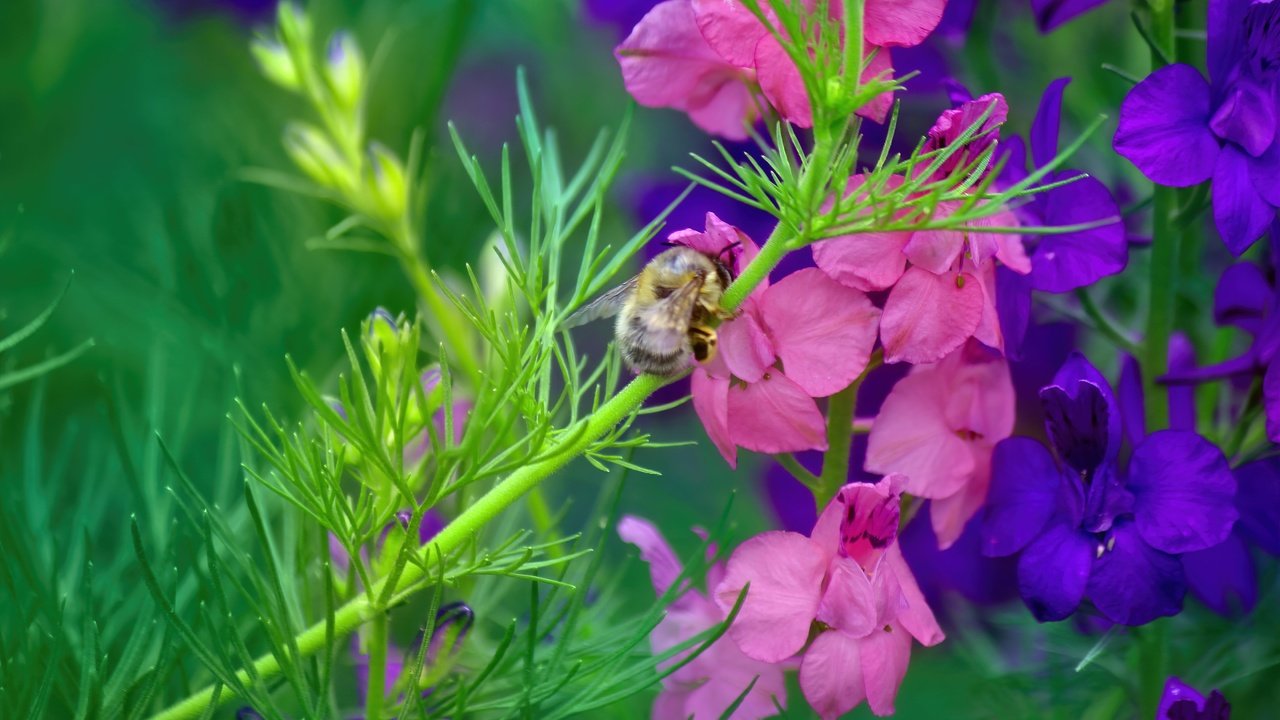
(391, 192)
(295, 26)
(345, 70)
(316, 156)
(275, 63)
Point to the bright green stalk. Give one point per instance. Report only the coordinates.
(377, 651)
(1164, 256)
(478, 514)
(853, 12)
(835, 463)
(443, 316)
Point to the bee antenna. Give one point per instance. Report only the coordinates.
(670, 243)
(729, 247)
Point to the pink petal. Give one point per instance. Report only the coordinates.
(885, 655)
(864, 261)
(928, 316)
(937, 250)
(723, 241)
(781, 82)
(911, 436)
(831, 675)
(711, 402)
(775, 415)
(664, 567)
(848, 604)
(730, 29)
(950, 515)
(988, 331)
(915, 616)
(901, 23)
(746, 348)
(823, 331)
(980, 400)
(726, 109)
(670, 703)
(1009, 249)
(666, 63)
(785, 571)
(869, 521)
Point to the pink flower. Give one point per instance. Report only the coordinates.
(821, 332)
(708, 57)
(939, 426)
(943, 281)
(849, 577)
(713, 680)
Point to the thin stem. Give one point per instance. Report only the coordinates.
(1104, 323)
(442, 317)
(835, 463)
(1164, 254)
(798, 471)
(377, 651)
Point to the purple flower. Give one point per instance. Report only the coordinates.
(1180, 130)
(621, 14)
(1180, 701)
(1089, 528)
(1052, 13)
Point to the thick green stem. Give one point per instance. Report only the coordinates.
(1164, 258)
(835, 463)
(755, 273)
(377, 650)
(853, 26)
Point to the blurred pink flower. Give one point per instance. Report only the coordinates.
(708, 57)
(819, 330)
(848, 576)
(713, 680)
(941, 282)
(939, 426)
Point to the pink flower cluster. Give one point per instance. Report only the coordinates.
(716, 61)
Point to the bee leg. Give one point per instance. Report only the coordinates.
(703, 343)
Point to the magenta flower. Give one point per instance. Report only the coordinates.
(1180, 701)
(938, 428)
(941, 282)
(716, 61)
(821, 332)
(1180, 130)
(713, 680)
(845, 586)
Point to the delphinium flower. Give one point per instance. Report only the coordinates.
(1088, 528)
(938, 427)
(841, 598)
(1180, 130)
(803, 337)
(1060, 262)
(714, 679)
(1180, 701)
(623, 15)
(716, 61)
(941, 282)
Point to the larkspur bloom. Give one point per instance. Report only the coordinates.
(1089, 529)
(713, 680)
(938, 428)
(1180, 701)
(715, 60)
(941, 282)
(1180, 130)
(1059, 262)
(842, 597)
(1249, 300)
(1050, 14)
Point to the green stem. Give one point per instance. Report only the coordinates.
(1164, 258)
(1104, 323)
(377, 651)
(853, 26)
(798, 471)
(755, 273)
(835, 463)
(442, 317)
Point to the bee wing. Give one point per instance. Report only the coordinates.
(667, 321)
(607, 305)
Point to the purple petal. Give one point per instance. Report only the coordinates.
(1071, 260)
(1182, 398)
(1013, 152)
(1222, 576)
(1075, 376)
(1076, 422)
(1244, 364)
(1184, 492)
(1129, 393)
(1258, 499)
(1239, 211)
(1175, 690)
(1265, 173)
(1271, 399)
(1241, 297)
(1052, 13)
(1246, 117)
(1013, 307)
(1053, 572)
(1025, 482)
(1133, 583)
(1164, 127)
(1044, 128)
(1225, 21)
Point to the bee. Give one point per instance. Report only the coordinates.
(668, 313)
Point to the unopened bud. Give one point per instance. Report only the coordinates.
(391, 193)
(315, 156)
(275, 63)
(345, 69)
(295, 26)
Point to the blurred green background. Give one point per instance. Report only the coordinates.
(123, 127)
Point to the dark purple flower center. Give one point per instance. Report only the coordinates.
(1077, 426)
(1216, 707)
(1262, 38)
(869, 525)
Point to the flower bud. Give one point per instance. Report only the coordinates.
(493, 274)
(315, 156)
(295, 26)
(344, 68)
(391, 193)
(275, 63)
